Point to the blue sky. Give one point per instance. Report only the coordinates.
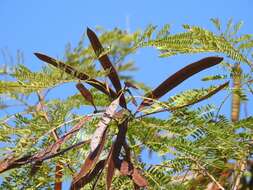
(48, 25)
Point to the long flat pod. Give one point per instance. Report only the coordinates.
(86, 94)
(113, 76)
(179, 77)
(103, 124)
(97, 142)
(72, 71)
(106, 63)
(104, 59)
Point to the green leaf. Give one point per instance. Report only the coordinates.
(216, 23)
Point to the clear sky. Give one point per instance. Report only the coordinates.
(48, 25)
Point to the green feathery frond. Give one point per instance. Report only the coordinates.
(195, 40)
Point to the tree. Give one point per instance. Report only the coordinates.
(51, 141)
